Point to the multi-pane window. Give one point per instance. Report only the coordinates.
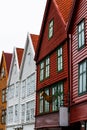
(28, 111)
(4, 95)
(46, 109)
(42, 71)
(23, 89)
(11, 92)
(30, 84)
(32, 109)
(45, 69)
(57, 92)
(17, 90)
(10, 114)
(60, 59)
(83, 77)
(50, 31)
(81, 37)
(22, 112)
(3, 116)
(51, 98)
(16, 113)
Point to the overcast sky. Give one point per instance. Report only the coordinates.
(17, 18)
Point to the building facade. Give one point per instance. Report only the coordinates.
(78, 65)
(52, 90)
(4, 72)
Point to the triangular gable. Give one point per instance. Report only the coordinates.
(30, 47)
(16, 61)
(61, 23)
(6, 60)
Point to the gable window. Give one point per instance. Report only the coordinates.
(60, 59)
(83, 77)
(23, 89)
(50, 29)
(45, 69)
(81, 37)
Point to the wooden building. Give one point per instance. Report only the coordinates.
(78, 65)
(4, 71)
(52, 90)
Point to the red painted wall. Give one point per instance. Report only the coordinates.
(76, 57)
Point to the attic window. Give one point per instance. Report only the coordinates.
(50, 31)
(2, 72)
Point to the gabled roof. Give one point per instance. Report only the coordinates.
(75, 2)
(8, 57)
(64, 7)
(19, 55)
(34, 38)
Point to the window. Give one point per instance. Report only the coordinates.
(60, 59)
(81, 37)
(41, 104)
(50, 29)
(3, 116)
(4, 95)
(83, 77)
(45, 69)
(17, 90)
(16, 113)
(44, 105)
(30, 84)
(57, 92)
(46, 109)
(23, 89)
(22, 112)
(2, 72)
(41, 71)
(51, 97)
(28, 111)
(10, 114)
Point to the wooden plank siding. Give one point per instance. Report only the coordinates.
(77, 108)
(55, 76)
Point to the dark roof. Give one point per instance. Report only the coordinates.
(19, 55)
(34, 38)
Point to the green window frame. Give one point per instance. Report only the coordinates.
(82, 77)
(44, 106)
(45, 69)
(81, 34)
(51, 28)
(59, 59)
(57, 91)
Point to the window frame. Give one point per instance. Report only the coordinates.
(80, 33)
(45, 69)
(51, 29)
(59, 58)
(81, 63)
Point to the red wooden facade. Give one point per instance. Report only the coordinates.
(48, 47)
(78, 103)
